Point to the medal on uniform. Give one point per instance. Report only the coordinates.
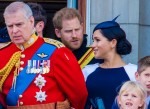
(29, 66)
(40, 96)
(46, 66)
(41, 66)
(38, 70)
(38, 66)
(33, 69)
(40, 82)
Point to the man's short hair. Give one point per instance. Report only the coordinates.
(143, 63)
(18, 6)
(39, 13)
(65, 14)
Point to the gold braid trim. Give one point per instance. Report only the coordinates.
(54, 42)
(8, 67)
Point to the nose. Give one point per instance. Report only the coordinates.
(74, 34)
(93, 44)
(14, 29)
(129, 97)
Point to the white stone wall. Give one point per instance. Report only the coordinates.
(144, 39)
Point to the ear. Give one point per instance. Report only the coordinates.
(32, 20)
(118, 100)
(141, 104)
(137, 76)
(40, 26)
(113, 43)
(82, 25)
(58, 33)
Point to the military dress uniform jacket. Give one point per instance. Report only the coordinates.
(28, 83)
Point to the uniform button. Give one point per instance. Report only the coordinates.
(22, 55)
(21, 68)
(20, 96)
(21, 103)
(21, 62)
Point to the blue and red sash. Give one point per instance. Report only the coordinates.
(24, 79)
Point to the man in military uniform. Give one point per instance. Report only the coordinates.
(37, 73)
(68, 26)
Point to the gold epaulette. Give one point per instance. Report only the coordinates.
(5, 45)
(54, 42)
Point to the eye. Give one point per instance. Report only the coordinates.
(77, 29)
(19, 24)
(68, 31)
(125, 94)
(9, 26)
(97, 40)
(148, 75)
(134, 96)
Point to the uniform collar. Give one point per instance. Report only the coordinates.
(31, 41)
(80, 52)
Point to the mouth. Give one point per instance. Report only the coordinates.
(16, 37)
(129, 104)
(95, 51)
(75, 41)
(148, 86)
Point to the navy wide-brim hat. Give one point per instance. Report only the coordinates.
(107, 24)
(4, 37)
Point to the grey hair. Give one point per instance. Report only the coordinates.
(18, 6)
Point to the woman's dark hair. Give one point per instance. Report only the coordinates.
(111, 30)
(123, 46)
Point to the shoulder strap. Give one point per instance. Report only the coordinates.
(86, 58)
(5, 45)
(54, 42)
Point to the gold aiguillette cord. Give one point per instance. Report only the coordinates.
(16, 72)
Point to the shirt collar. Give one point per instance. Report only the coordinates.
(31, 41)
